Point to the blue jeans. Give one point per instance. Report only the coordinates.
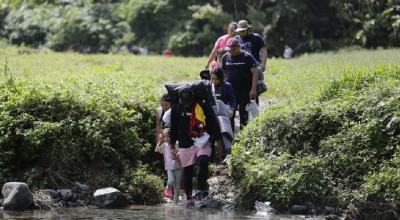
(174, 180)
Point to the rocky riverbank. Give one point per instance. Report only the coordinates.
(18, 197)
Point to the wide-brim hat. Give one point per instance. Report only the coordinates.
(242, 26)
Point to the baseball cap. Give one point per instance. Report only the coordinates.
(231, 44)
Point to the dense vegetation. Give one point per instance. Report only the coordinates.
(99, 132)
(340, 149)
(73, 117)
(191, 27)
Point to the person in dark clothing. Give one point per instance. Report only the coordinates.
(240, 71)
(224, 91)
(191, 119)
(252, 43)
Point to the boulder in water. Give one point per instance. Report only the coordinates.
(20, 198)
(66, 194)
(110, 198)
(9, 186)
(264, 208)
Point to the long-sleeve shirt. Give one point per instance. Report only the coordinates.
(228, 94)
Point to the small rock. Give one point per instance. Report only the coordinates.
(213, 204)
(228, 208)
(264, 208)
(110, 198)
(329, 210)
(20, 198)
(66, 194)
(200, 204)
(52, 193)
(298, 209)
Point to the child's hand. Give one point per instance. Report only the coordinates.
(160, 138)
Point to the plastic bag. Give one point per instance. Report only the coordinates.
(252, 109)
(202, 140)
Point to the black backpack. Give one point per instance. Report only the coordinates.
(201, 90)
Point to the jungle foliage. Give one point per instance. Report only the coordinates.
(190, 28)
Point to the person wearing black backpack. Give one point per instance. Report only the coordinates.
(193, 128)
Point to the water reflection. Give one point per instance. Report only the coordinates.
(165, 211)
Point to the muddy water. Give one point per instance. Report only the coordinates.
(165, 211)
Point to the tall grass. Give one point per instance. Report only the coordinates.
(288, 80)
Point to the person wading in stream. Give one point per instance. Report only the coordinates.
(194, 126)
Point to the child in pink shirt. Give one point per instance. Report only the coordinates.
(172, 165)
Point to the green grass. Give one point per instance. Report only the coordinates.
(302, 77)
(288, 80)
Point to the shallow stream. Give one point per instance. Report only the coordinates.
(164, 211)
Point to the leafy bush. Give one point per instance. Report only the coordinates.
(285, 181)
(142, 186)
(381, 188)
(350, 131)
(52, 136)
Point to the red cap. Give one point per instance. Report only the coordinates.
(231, 44)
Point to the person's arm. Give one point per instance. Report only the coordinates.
(213, 54)
(211, 57)
(254, 75)
(159, 147)
(253, 91)
(263, 52)
(263, 57)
